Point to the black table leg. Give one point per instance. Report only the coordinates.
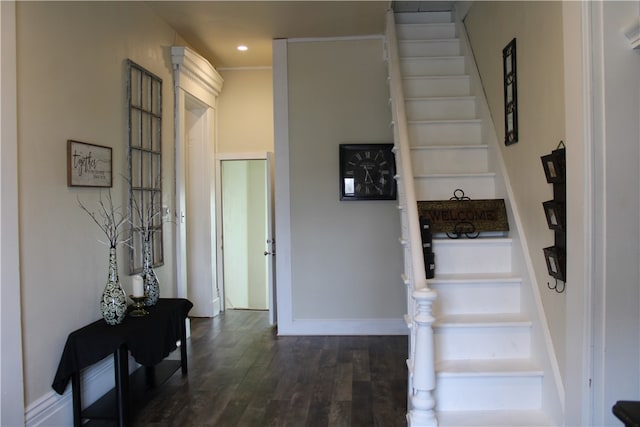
(77, 399)
(150, 375)
(183, 347)
(121, 369)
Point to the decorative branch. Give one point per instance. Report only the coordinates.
(110, 220)
(146, 213)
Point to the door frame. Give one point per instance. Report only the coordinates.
(194, 78)
(256, 155)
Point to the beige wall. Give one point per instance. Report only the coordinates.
(345, 256)
(537, 26)
(245, 113)
(72, 85)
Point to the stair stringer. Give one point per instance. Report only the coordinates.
(543, 352)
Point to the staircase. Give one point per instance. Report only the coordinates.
(489, 361)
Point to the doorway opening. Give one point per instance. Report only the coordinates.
(246, 253)
(246, 267)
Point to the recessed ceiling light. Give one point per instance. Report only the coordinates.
(242, 48)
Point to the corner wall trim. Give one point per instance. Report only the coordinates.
(632, 32)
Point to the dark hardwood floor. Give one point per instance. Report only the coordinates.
(242, 374)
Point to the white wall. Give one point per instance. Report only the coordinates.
(345, 256)
(537, 26)
(616, 152)
(72, 85)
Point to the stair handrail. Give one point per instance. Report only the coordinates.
(421, 399)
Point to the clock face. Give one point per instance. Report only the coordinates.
(367, 172)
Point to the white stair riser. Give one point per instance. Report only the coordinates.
(440, 109)
(469, 256)
(423, 17)
(508, 418)
(437, 86)
(448, 47)
(426, 31)
(442, 188)
(476, 298)
(442, 133)
(497, 393)
(488, 342)
(449, 160)
(440, 66)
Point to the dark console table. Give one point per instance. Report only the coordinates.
(149, 339)
(628, 412)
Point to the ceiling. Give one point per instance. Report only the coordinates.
(216, 28)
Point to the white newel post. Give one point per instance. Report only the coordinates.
(422, 411)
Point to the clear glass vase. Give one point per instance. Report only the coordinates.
(114, 300)
(151, 285)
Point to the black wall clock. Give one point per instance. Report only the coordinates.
(367, 172)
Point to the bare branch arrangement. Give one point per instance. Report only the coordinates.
(147, 213)
(111, 221)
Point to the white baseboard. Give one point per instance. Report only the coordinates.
(53, 409)
(217, 306)
(344, 327)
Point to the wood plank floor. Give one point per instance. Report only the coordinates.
(242, 374)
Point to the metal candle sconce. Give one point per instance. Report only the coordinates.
(555, 211)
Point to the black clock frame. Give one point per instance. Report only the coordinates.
(347, 151)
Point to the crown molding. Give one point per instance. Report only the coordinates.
(193, 71)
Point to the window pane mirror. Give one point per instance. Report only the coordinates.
(144, 98)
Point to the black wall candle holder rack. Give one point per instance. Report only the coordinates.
(554, 165)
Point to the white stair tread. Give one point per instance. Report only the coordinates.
(444, 40)
(424, 17)
(429, 58)
(478, 241)
(482, 320)
(457, 175)
(426, 24)
(438, 77)
(511, 418)
(447, 122)
(450, 147)
(488, 367)
(441, 98)
(475, 278)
